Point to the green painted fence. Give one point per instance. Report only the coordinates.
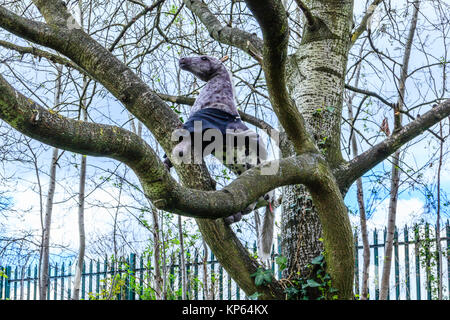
(414, 275)
(415, 267)
(125, 279)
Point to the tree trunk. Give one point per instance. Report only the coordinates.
(182, 260)
(360, 197)
(158, 279)
(81, 194)
(392, 212)
(206, 293)
(316, 73)
(365, 240)
(438, 217)
(46, 232)
(395, 176)
(45, 251)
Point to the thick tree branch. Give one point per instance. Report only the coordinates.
(308, 14)
(177, 99)
(271, 131)
(325, 194)
(354, 169)
(248, 42)
(245, 189)
(69, 40)
(88, 138)
(120, 80)
(272, 19)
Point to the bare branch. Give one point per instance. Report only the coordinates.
(42, 54)
(272, 19)
(370, 93)
(389, 104)
(101, 65)
(363, 26)
(308, 15)
(177, 99)
(349, 172)
(146, 10)
(248, 42)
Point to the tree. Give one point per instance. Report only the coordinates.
(46, 227)
(395, 178)
(305, 91)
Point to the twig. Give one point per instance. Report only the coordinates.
(308, 14)
(365, 22)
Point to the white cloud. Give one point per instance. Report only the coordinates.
(64, 229)
(408, 212)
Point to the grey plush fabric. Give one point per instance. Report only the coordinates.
(218, 92)
(215, 107)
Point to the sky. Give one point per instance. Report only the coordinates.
(412, 206)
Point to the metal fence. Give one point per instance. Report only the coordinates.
(415, 274)
(415, 269)
(123, 279)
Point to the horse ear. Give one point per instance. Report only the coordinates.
(224, 58)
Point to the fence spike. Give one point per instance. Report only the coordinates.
(407, 271)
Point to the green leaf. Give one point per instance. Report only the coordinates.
(326, 277)
(281, 261)
(291, 291)
(262, 276)
(313, 284)
(255, 296)
(259, 279)
(268, 277)
(317, 260)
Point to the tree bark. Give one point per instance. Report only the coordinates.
(365, 240)
(316, 83)
(182, 260)
(360, 200)
(81, 196)
(44, 278)
(438, 218)
(81, 192)
(158, 279)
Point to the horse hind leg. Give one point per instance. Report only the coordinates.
(261, 154)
